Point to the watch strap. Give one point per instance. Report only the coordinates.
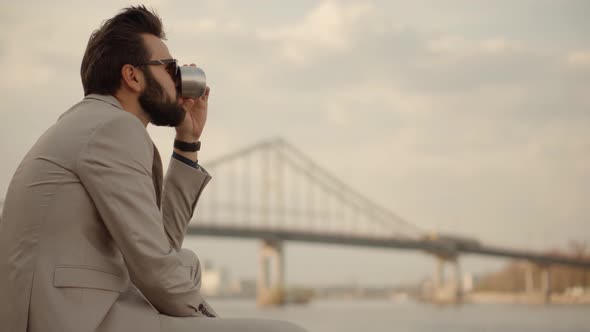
(187, 146)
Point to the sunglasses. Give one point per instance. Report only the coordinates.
(171, 67)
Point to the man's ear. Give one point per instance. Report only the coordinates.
(132, 78)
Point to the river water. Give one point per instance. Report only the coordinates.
(389, 316)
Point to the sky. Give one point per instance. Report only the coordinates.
(466, 117)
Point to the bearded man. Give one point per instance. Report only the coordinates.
(91, 235)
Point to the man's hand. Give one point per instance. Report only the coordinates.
(191, 128)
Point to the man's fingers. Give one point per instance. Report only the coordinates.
(205, 95)
(187, 102)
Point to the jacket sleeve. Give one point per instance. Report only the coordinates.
(183, 186)
(115, 168)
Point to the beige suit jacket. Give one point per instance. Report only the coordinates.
(89, 239)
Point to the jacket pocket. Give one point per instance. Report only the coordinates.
(88, 277)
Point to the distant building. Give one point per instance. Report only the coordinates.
(244, 288)
(468, 282)
(214, 282)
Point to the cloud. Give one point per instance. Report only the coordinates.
(327, 28)
(459, 47)
(579, 59)
(431, 164)
(208, 25)
(350, 107)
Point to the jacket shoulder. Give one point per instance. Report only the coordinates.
(118, 136)
(94, 119)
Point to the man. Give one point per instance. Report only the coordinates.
(89, 238)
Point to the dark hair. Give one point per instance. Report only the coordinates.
(117, 42)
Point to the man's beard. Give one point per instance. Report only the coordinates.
(162, 110)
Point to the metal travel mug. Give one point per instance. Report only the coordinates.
(193, 82)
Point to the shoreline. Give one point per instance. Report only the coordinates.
(524, 298)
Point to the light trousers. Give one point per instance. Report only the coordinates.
(205, 324)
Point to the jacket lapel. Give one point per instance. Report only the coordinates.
(157, 175)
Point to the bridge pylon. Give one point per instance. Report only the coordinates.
(443, 290)
(270, 286)
(544, 282)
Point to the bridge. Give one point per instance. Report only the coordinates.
(273, 192)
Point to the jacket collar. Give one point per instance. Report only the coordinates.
(105, 98)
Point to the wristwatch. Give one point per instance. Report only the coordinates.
(187, 146)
